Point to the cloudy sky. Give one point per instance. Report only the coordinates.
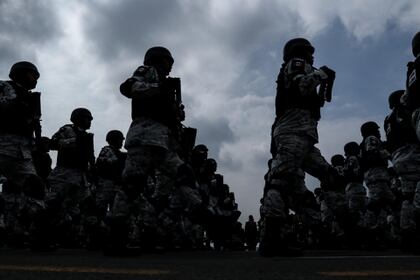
(227, 53)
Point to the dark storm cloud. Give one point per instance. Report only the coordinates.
(214, 133)
(367, 71)
(25, 27)
(131, 25)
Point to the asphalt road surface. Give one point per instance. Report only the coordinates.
(80, 264)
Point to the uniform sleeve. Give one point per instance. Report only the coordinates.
(374, 146)
(64, 138)
(7, 95)
(106, 156)
(301, 75)
(143, 79)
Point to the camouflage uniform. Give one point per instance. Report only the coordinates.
(151, 141)
(16, 133)
(355, 191)
(294, 134)
(109, 166)
(133, 221)
(19, 119)
(376, 175)
(69, 183)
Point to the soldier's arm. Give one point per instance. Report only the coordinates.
(63, 139)
(374, 148)
(143, 84)
(303, 76)
(106, 156)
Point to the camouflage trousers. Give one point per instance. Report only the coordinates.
(333, 207)
(177, 221)
(133, 221)
(15, 158)
(410, 211)
(144, 161)
(415, 121)
(377, 181)
(11, 225)
(69, 191)
(406, 162)
(356, 197)
(105, 194)
(295, 155)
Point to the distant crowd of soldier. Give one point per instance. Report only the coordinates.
(363, 201)
(163, 194)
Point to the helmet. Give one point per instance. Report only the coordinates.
(337, 160)
(79, 113)
(415, 44)
(21, 67)
(394, 98)
(155, 54)
(114, 135)
(368, 128)
(351, 148)
(296, 44)
(201, 148)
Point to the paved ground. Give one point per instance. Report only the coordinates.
(79, 264)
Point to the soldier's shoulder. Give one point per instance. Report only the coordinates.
(6, 88)
(4, 84)
(106, 151)
(66, 130)
(145, 71)
(372, 141)
(297, 65)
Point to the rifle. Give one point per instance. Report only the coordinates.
(36, 114)
(173, 85)
(325, 89)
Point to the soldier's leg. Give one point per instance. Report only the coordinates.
(316, 165)
(283, 178)
(415, 121)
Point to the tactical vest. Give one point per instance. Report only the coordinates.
(159, 108)
(288, 98)
(398, 129)
(19, 115)
(370, 159)
(111, 170)
(80, 156)
(413, 84)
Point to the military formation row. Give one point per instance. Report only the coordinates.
(384, 213)
(164, 193)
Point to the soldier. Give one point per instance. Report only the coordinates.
(404, 147)
(251, 233)
(374, 159)
(356, 196)
(294, 135)
(19, 126)
(152, 139)
(109, 167)
(19, 123)
(411, 98)
(333, 206)
(69, 179)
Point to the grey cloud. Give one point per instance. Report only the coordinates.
(25, 27)
(131, 25)
(213, 133)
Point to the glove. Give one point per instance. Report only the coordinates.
(330, 73)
